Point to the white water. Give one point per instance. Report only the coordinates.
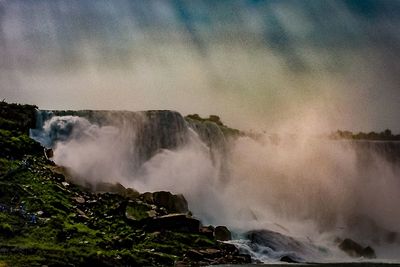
(310, 189)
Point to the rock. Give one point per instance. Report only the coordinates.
(242, 258)
(228, 248)
(131, 193)
(110, 188)
(207, 231)
(80, 212)
(194, 255)
(152, 213)
(172, 203)
(79, 200)
(174, 222)
(222, 233)
(179, 204)
(147, 197)
(369, 253)
(211, 252)
(288, 259)
(223, 254)
(209, 255)
(48, 152)
(82, 215)
(354, 249)
(116, 188)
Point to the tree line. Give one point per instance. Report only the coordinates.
(385, 135)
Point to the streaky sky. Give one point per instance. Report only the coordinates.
(256, 63)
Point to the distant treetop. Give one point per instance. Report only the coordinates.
(217, 120)
(385, 135)
(213, 118)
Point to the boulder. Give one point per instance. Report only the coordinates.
(116, 188)
(48, 152)
(288, 259)
(208, 231)
(147, 197)
(173, 222)
(369, 253)
(172, 203)
(222, 233)
(354, 249)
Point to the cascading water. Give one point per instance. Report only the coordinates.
(133, 139)
(298, 195)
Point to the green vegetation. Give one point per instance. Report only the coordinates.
(45, 220)
(385, 135)
(228, 132)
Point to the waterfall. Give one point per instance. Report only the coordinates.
(306, 191)
(149, 131)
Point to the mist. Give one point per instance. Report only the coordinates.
(303, 186)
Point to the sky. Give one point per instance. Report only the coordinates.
(258, 64)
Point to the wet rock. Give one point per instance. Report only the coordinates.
(174, 222)
(222, 233)
(208, 231)
(210, 255)
(179, 204)
(48, 152)
(288, 259)
(194, 255)
(242, 258)
(369, 253)
(228, 248)
(223, 254)
(172, 203)
(354, 249)
(116, 188)
(147, 197)
(351, 248)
